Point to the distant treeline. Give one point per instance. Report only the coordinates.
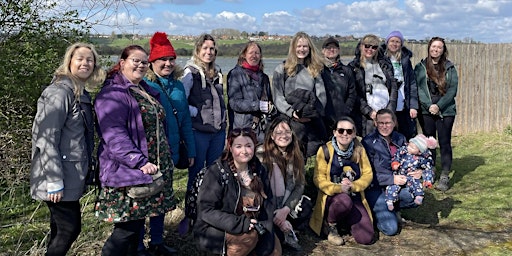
(226, 49)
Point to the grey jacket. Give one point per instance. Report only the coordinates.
(59, 149)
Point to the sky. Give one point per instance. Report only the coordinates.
(487, 21)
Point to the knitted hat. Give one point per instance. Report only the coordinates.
(330, 40)
(160, 46)
(395, 33)
(423, 143)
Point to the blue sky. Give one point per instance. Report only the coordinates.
(486, 21)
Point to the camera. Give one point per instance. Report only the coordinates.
(369, 88)
(259, 228)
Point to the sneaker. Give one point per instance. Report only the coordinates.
(443, 183)
(291, 241)
(333, 237)
(161, 250)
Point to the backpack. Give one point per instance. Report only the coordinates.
(192, 194)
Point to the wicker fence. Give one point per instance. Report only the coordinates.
(484, 98)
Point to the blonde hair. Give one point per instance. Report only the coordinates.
(313, 62)
(95, 79)
(208, 68)
(368, 39)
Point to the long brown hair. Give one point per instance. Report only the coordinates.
(437, 73)
(293, 155)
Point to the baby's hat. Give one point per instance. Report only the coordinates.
(423, 143)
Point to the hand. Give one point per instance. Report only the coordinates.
(399, 179)
(373, 115)
(149, 168)
(264, 106)
(300, 119)
(280, 215)
(395, 165)
(427, 184)
(55, 197)
(251, 225)
(416, 174)
(190, 161)
(433, 109)
(413, 113)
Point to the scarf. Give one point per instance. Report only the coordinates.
(252, 71)
(343, 154)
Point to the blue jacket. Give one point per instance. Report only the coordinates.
(123, 145)
(179, 125)
(380, 156)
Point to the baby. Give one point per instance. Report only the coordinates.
(411, 157)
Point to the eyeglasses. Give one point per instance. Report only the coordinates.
(384, 123)
(282, 133)
(374, 47)
(138, 62)
(343, 130)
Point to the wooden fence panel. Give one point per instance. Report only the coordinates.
(484, 98)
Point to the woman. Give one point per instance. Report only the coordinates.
(407, 102)
(249, 96)
(437, 81)
(235, 204)
(299, 92)
(163, 76)
(341, 182)
(284, 161)
(62, 144)
(204, 89)
(133, 146)
(375, 85)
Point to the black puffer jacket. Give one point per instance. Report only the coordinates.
(341, 93)
(217, 202)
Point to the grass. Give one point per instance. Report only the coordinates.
(477, 205)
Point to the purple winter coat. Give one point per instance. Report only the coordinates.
(123, 146)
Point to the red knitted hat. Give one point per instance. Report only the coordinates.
(160, 46)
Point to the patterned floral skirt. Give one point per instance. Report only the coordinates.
(114, 205)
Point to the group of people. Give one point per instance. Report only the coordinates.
(255, 147)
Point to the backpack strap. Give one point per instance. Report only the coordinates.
(326, 153)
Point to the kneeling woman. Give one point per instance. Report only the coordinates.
(341, 178)
(235, 208)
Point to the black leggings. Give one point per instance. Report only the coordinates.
(431, 124)
(124, 240)
(65, 226)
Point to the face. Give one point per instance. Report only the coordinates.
(253, 55)
(82, 63)
(331, 51)
(242, 150)
(413, 149)
(135, 66)
(302, 49)
(207, 52)
(344, 133)
(394, 44)
(282, 135)
(369, 50)
(385, 124)
(164, 66)
(436, 49)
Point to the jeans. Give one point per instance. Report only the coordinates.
(156, 231)
(124, 239)
(386, 220)
(65, 226)
(431, 124)
(209, 147)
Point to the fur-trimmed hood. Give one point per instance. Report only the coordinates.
(176, 74)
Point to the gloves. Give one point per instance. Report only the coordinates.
(264, 106)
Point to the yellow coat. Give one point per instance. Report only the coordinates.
(322, 180)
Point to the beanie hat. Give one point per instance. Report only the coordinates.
(423, 143)
(395, 33)
(160, 46)
(330, 40)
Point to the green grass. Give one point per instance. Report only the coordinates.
(478, 201)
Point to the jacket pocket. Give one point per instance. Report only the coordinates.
(74, 165)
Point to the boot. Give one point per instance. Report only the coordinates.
(291, 241)
(443, 183)
(334, 238)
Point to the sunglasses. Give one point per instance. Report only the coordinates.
(374, 47)
(243, 131)
(343, 130)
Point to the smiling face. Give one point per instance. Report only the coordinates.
(282, 135)
(394, 44)
(242, 150)
(253, 55)
(82, 63)
(164, 66)
(344, 133)
(302, 49)
(135, 66)
(385, 124)
(436, 49)
(207, 51)
(331, 51)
